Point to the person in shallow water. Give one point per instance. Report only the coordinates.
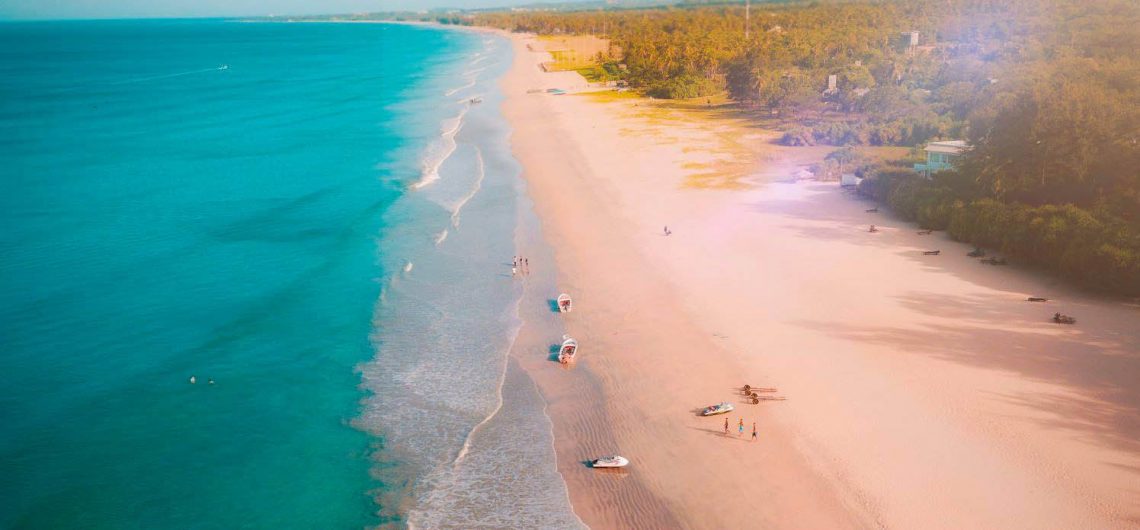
(740, 427)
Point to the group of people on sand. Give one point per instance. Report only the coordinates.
(520, 264)
(740, 429)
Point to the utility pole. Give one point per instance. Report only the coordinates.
(747, 17)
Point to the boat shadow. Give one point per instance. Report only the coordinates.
(553, 351)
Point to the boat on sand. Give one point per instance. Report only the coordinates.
(564, 303)
(609, 461)
(568, 351)
(719, 408)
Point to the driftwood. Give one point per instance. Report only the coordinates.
(1037, 299)
(994, 261)
(873, 210)
(931, 252)
(925, 232)
(1063, 319)
(976, 253)
(872, 229)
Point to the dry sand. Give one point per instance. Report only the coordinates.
(922, 391)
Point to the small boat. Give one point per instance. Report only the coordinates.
(609, 461)
(568, 351)
(476, 100)
(224, 67)
(719, 408)
(564, 303)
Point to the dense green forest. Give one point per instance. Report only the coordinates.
(1047, 93)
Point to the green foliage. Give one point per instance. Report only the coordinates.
(683, 87)
(1092, 248)
(602, 72)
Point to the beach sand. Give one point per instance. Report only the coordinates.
(922, 391)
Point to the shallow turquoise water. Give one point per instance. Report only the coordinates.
(166, 218)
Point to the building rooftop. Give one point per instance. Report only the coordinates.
(952, 147)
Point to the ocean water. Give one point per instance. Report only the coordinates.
(314, 217)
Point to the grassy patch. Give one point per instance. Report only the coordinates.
(607, 96)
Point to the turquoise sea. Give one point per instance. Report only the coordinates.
(311, 220)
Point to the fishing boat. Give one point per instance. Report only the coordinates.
(719, 408)
(609, 461)
(568, 351)
(564, 303)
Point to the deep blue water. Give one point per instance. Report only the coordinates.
(162, 218)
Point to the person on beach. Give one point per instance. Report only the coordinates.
(740, 428)
(526, 263)
(753, 431)
(726, 426)
(514, 270)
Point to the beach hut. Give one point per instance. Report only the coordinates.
(941, 156)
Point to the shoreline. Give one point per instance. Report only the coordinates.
(921, 391)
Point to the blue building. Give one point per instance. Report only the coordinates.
(941, 156)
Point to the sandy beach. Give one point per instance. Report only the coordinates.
(921, 391)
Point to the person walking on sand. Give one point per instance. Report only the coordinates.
(753, 431)
(740, 428)
(526, 263)
(726, 426)
(514, 270)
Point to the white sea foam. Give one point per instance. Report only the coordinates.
(452, 92)
(440, 150)
(480, 174)
(453, 413)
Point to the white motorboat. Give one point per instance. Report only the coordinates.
(719, 408)
(610, 461)
(568, 351)
(564, 303)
